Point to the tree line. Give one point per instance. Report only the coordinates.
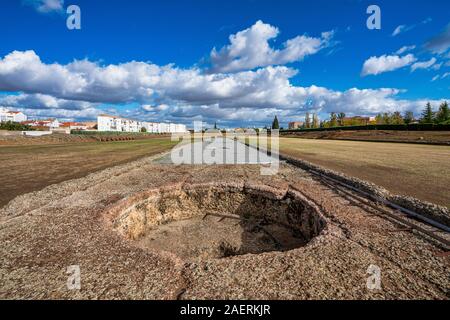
(14, 126)
(428, 116)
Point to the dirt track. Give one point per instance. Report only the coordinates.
(45, 232)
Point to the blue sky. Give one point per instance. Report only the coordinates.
(154, 60)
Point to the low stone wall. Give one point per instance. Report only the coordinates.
(36, 133)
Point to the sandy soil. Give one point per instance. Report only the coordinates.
(45, 232)
(218, 237)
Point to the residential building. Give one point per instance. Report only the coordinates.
(48, 123)
(151, 127)
(164, 128)
(117, 124)
(90, 125)
(13, 116)
(74, 126)
(295, 125)
(181, 128)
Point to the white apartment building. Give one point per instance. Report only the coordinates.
(117, 124)
(164, 128)
(181, 128)
(13, 116)
(50, 123)
(109, 123)
(152, 127)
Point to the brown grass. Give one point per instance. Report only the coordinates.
(422, 171)
(422, 137)
(33, 167)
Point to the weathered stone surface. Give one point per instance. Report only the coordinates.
(43, 233)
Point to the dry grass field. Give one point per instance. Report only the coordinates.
(422, 137)
(422, 171)
(30, 168)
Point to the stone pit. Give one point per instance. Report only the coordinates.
(212, 221)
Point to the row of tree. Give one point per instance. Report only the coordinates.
(336, 120)
(14, 126)
(442, 116)
(311, 122)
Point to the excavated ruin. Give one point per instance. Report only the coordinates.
(210, 221)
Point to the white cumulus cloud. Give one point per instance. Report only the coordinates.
(81, 88)
(42, 101)
(250, 48)
(41, 105)
(46, 6)
(385, 63)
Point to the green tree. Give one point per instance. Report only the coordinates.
(387, 118)
(379, 119)
(275, 124)
(14, 126)
(427, 114)
(408, 117)
(443, 114)
(143, 130)
(307, 121)
(215, 125)
(333, 119)
(315, 121)
(341, 117)
(397, 118)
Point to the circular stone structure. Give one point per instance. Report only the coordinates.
(211, 221)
